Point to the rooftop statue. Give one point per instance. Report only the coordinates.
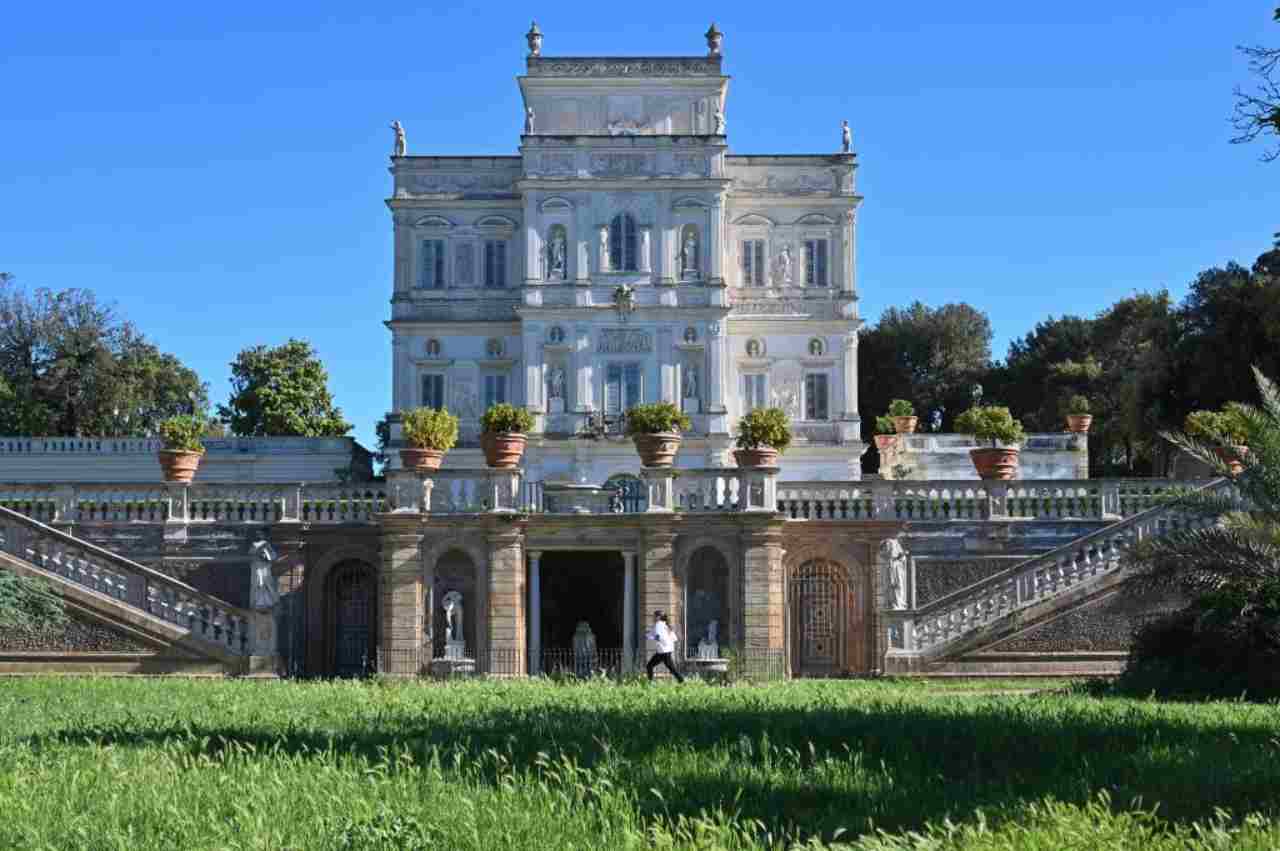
(401, 148)
(846, 136)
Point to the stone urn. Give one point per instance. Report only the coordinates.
(1232, 456)
(885, 442)
(584, 649)
(179, 465)
(421, 460)
(905, 425)
(761, 456)
(995, 462)
(657, 450)
(1079, 423)
(503, 451)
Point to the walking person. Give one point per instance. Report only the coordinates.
(666, 638)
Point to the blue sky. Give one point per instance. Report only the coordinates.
(219, 171)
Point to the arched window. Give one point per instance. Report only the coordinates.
(622, 243)
(690, 249)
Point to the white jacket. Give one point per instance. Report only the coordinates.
(665, 637)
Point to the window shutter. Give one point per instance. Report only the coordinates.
(633, 384)
(822, 263)
(615, 243)
(433, 391)
(745, 260)
(760, 277)
(613, 389)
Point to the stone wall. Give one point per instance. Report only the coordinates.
(78, 634)
(1102, 624)
(945, 457)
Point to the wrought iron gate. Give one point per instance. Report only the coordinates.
(827, 625)
(353, 593)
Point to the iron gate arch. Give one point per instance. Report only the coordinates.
(827, 623)
(353, 607)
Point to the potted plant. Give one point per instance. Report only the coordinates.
(903, 414)
(995, 424)
(1226, 430)
(504, 434)
(763, 435)
(655, 428)
(182, 450)
(428, 435)
(1078, 417)
(886, 434)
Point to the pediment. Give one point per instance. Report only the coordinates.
(433, 222)
(754, 219)
(495, 222)
(689, 201)
(815, 219)
(555, 204)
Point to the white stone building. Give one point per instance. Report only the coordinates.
(513, 274)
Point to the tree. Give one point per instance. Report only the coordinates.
(1257, 112)
(1227, 639)
(1027, 381)
(931, 356)
(70, 366)
(281, 391)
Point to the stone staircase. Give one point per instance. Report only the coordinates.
(157, 623)
(981, 630)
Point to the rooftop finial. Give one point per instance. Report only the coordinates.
(534, 37)
(714, 39)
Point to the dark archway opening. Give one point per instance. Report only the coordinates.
(581, 586)
(352, 616)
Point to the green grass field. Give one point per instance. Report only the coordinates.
(142, 764)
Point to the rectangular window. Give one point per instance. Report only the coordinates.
(495, 390)
(621, 387)
(495, 263)
(753, 263)
(815, 397)
(753, 392)
(815, 262)
(433, 392)
(432, 264)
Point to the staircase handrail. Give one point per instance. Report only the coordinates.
(179, 600)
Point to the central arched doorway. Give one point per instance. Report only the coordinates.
(828, 626)
(353, 605)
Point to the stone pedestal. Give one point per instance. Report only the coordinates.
(690, 405)
(555, 406)
(661, 485)
(758, 489)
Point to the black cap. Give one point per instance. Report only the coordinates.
(658, 613)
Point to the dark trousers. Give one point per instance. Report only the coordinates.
(664, 658)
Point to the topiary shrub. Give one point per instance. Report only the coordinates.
(991, 423)
(901, 408)
(506, 419)
(657, 418)
(427, 428)
(1225, 426)
(1078, 405)
(884, 425)
(182, 433)
(765, 427)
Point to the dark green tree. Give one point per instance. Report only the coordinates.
(1027, 381)
(1257, 110)
(281, 391)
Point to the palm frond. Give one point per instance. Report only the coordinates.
(1199, 560)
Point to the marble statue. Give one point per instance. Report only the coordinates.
(557, 256)
(557, 383)
(896, 563)
(936, 420)
(689, 257)
(846, 136)
(753, 348)
(709, 647)
(784, 264)
(528, 121)
(453, 616)
(712, 629)
(604, 248)
(263, 593)
(975, 393)
(715, 39)
(401, 148)
(719, 119)
(691, 383)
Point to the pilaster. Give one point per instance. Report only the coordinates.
(850, 375)
(400, 633)
(763, 581)
(659, 589)
(505, 631)
(532, 244)
(582, 368)
(715, 243)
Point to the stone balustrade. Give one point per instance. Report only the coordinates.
(204, 617)
(928, 631)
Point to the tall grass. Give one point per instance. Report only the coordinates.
(142, 764)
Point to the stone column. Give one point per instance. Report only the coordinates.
(582, 368)
(717, 362)
(629, 612)
(658, 588)
(535, 612)
(400, 589)
(763, 592)
(847, 255)
(646, 249)
(504, 651)
(666, 366)
(666, 249)
(715, 243)
(850, 376)
(532, 243)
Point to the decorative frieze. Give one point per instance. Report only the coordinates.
(539, 67)
(623, 341)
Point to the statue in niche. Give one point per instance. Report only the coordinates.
(528, 120)
(784, 265)
(264, 594)
(689, 256)
(896, 563)
(557, 383)
(557, 335)
(846, 137)
(719, 119)
(691, 334)
(936, 420)
(401, 148)
(753, 348)
(691, 382)
(557, 251)
(453, 616)
(815, 347)
(604, 248)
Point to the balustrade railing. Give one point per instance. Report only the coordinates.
(204, 617)
(929, 630)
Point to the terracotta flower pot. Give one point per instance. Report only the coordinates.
(885, 442)
(763, 456)
(905, 425)
(1232, 456)
(421, 460)
(657, 450)
(503, 451)
(1079, 423)
(995, 462)
(177, 465)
